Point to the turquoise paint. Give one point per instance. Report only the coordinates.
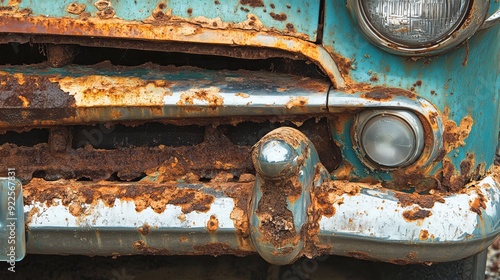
(466, 90)
(303, 14)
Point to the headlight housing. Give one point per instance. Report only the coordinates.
(416, 27)
(389, 138)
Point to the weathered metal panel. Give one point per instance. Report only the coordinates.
(463, 84)
(351, 219)
(97, 94)
(297, 16)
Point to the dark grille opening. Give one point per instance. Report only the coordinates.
(26, 139)
(115, 178)
(146, 135)
(27, 53)
(248, 133)
(167, 152)
(19, 54)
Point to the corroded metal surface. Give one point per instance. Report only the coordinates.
(138, 218)
(44, 96)
(278, 211)
(164, 26)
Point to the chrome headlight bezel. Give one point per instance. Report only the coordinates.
(409, 118)
(472, 21)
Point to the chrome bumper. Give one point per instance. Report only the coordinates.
(291, 208)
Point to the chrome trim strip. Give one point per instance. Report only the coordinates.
(492, 20)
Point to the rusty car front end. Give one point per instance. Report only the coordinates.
(283, 128)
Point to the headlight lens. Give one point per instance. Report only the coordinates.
(414, 22)
(390, 139)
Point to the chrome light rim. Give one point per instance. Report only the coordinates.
(472, 21)
(410, 118)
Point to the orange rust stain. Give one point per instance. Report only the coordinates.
(454, 135)
(144, 248)
(329, 194)
(183, 239)
(145, 229)
(102, 4)
(452, 180)
(424, 234)
(297, 102)
(423, 200)
(478, 203)
(213, 223)
(416, 213)
(242, 95)
(252, 3)
(278, 17)
(25, 101)
(144, 195)
(386, 94)
(76, 8)
(75, 209)
(93, 90)
(209, 95)
(14, 2)
(106, 13)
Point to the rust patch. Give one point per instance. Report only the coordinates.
(297, 102)
(453, 181)
(74, 194)
(46, 100)
(219, 248)
(76, 8)
(466, 56)
(374, 78)
(102, 4)
(405, 179)
(478, 203)
(60, 55)
(453, 135)
(241, 193)
(212, 224)
(424, 234)
(144, 248)
(278, 17)
(423, 200)
(107, 13)
(252, 3)
(416, 213)
(385, 94)
(277, 226)
(344, 64)
(242, 95)
(145, 229)
(210, 95)
(329, 194)
(75, 209)
(290, 27)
